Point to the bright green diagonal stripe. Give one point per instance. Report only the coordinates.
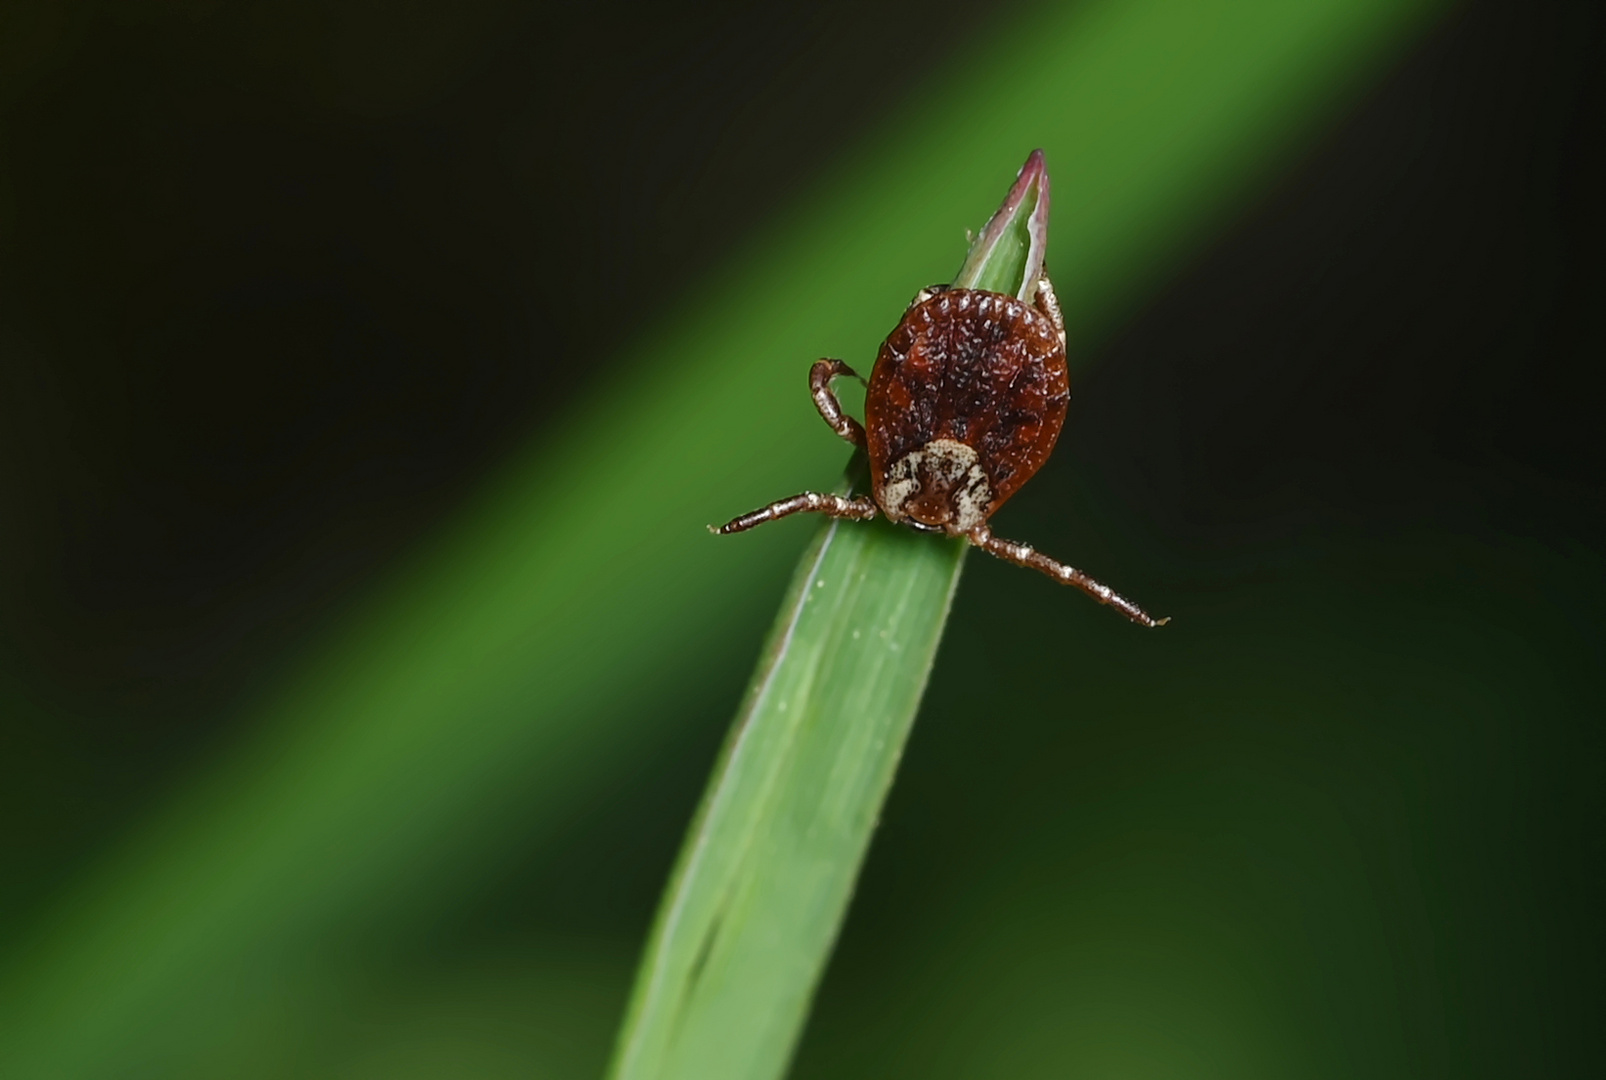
(519, 657)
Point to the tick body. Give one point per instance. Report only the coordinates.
(965, 402)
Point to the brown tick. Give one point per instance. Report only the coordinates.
(965, 403)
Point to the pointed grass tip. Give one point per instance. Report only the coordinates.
(1028, 196)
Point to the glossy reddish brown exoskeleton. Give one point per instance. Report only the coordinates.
(965, 403)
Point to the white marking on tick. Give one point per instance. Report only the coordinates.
(943, 463)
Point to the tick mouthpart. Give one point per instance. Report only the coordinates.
(934, 509)
(937, 488)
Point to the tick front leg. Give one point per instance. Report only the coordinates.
(1023, 555)
(859, 509)
(1049, 304)
(820, 376)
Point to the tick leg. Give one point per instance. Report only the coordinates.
(1023, 555)
(1049, 304)
(820, 376)
(859, 509)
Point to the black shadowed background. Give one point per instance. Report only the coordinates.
(284, 287)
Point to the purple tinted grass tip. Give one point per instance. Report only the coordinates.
(1029, 196)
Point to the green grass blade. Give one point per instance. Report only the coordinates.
(755, 904)
(763, 881)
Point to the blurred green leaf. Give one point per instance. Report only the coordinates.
(516, 664)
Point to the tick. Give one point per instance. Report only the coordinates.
(965, 403)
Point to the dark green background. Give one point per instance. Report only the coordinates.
(277, 288)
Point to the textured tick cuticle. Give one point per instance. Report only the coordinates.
(965, 402)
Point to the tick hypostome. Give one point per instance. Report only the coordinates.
(966, 400)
